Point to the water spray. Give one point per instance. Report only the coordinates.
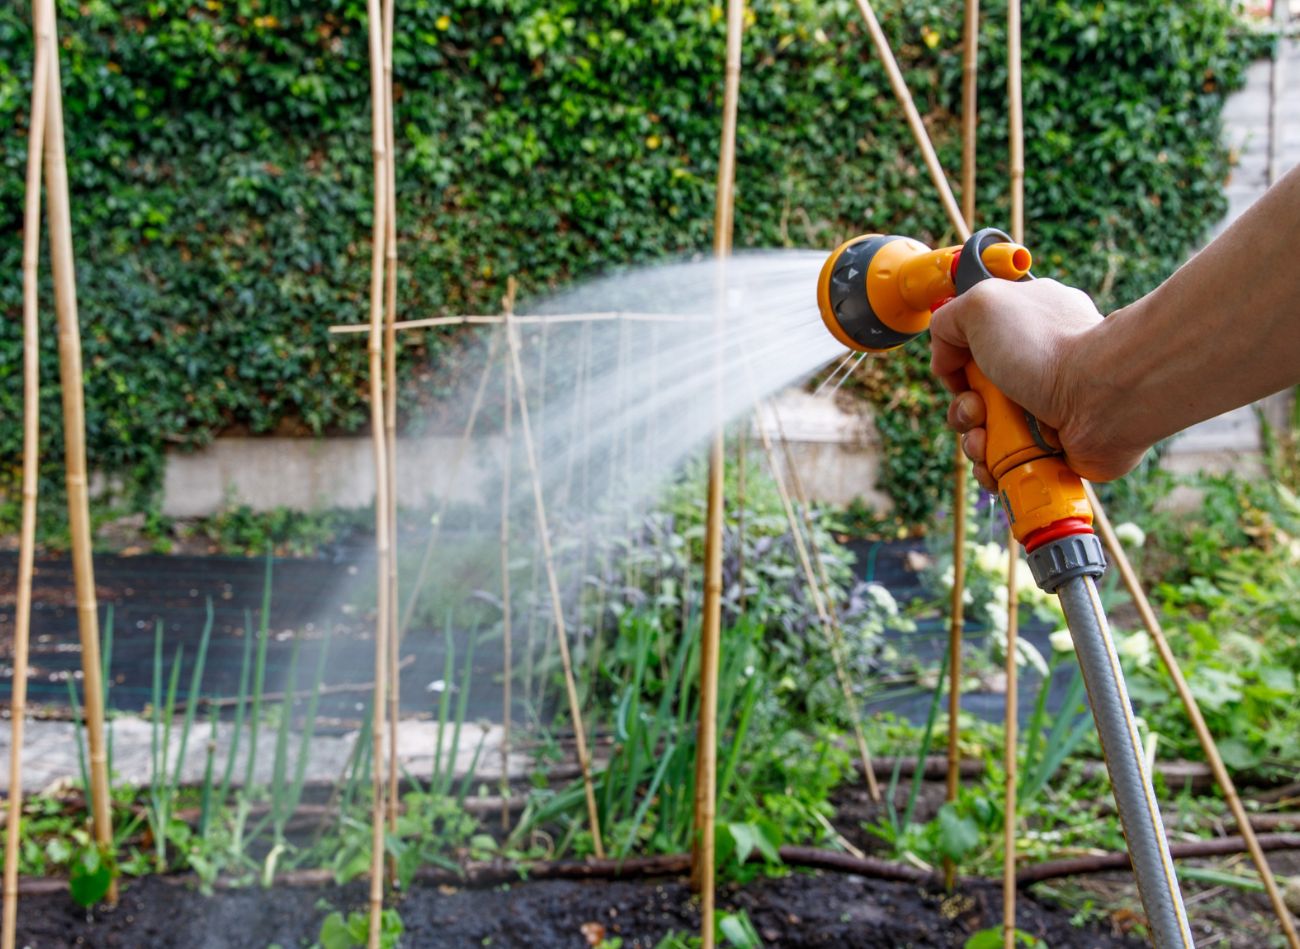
(875, 293)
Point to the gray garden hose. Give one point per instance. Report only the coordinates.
(1135, 798)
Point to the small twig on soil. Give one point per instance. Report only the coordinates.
(1119, 860)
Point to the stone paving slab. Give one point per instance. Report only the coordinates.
(50, 752)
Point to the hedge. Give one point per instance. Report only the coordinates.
(219, 158)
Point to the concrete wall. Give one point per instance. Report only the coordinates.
(311, 473)
(837, 453)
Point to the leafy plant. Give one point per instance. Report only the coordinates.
(337, 932)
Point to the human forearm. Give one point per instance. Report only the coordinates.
(1221, 332)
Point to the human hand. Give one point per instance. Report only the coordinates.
(1032, 341)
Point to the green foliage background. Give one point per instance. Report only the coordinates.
(219, 158)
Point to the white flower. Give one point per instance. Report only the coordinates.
(1027, 654)
(996, 611)
(437, 685)
(990, 558)
(884, 601)
(1062, 641)
(1137, 647)
(1130, 535)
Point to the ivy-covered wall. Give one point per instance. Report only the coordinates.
(219, 158)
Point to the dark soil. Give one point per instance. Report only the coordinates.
(799, 910)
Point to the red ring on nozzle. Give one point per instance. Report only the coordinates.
(1065, 527)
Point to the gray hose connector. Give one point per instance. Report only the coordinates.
(1135, 798)
(1079, 555)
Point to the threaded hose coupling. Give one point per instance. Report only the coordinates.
(1065, 558)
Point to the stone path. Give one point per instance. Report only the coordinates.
(50, 753)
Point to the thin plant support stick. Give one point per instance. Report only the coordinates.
(914, 121)
(957, 602)
(741, 448)
(31, 467)
(1016, 118)
(829, 623)
(506, 663)
(703, 870)
(1009, 822)
(390, 408)
(1212, 756)
(553, 583)
(796, 481)
(1016, 133)
(74, 435)
(426, 560)
(383, 551)
(970, 53)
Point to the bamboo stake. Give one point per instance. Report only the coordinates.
(957, 603)
(970, 53)
(390, 411)
(1010, 761)
(914, 121)
(453, 474)
(703, 870)
(557, 608)
(801, 495)
(63, 266)
(1016, 133)
(377, 430)
(506, 664)
(1016, 116)
(1212, 756)
(821, 603)
(343, 329)
(31, 466)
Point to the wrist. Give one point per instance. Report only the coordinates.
(1102, 397)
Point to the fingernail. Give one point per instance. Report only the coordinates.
(963, 413)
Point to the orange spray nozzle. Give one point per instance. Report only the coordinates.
(1007, 260)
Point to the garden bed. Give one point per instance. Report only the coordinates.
(802, 909)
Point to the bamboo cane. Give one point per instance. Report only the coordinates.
(1212, 756)
(31, 467)
(970, 52)
(383, 552)
(429, 322)
(63, 267)
(1016, 134)
(957, 603)
(821, 604)
(462, 446)
(390, 410)
(706, 749)
(1016, 117)
(914, 121)
(801, 495)
(553, 584)
(1010, 760)
(506, 664)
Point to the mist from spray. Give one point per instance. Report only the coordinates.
(619, 381)
(637, 386)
